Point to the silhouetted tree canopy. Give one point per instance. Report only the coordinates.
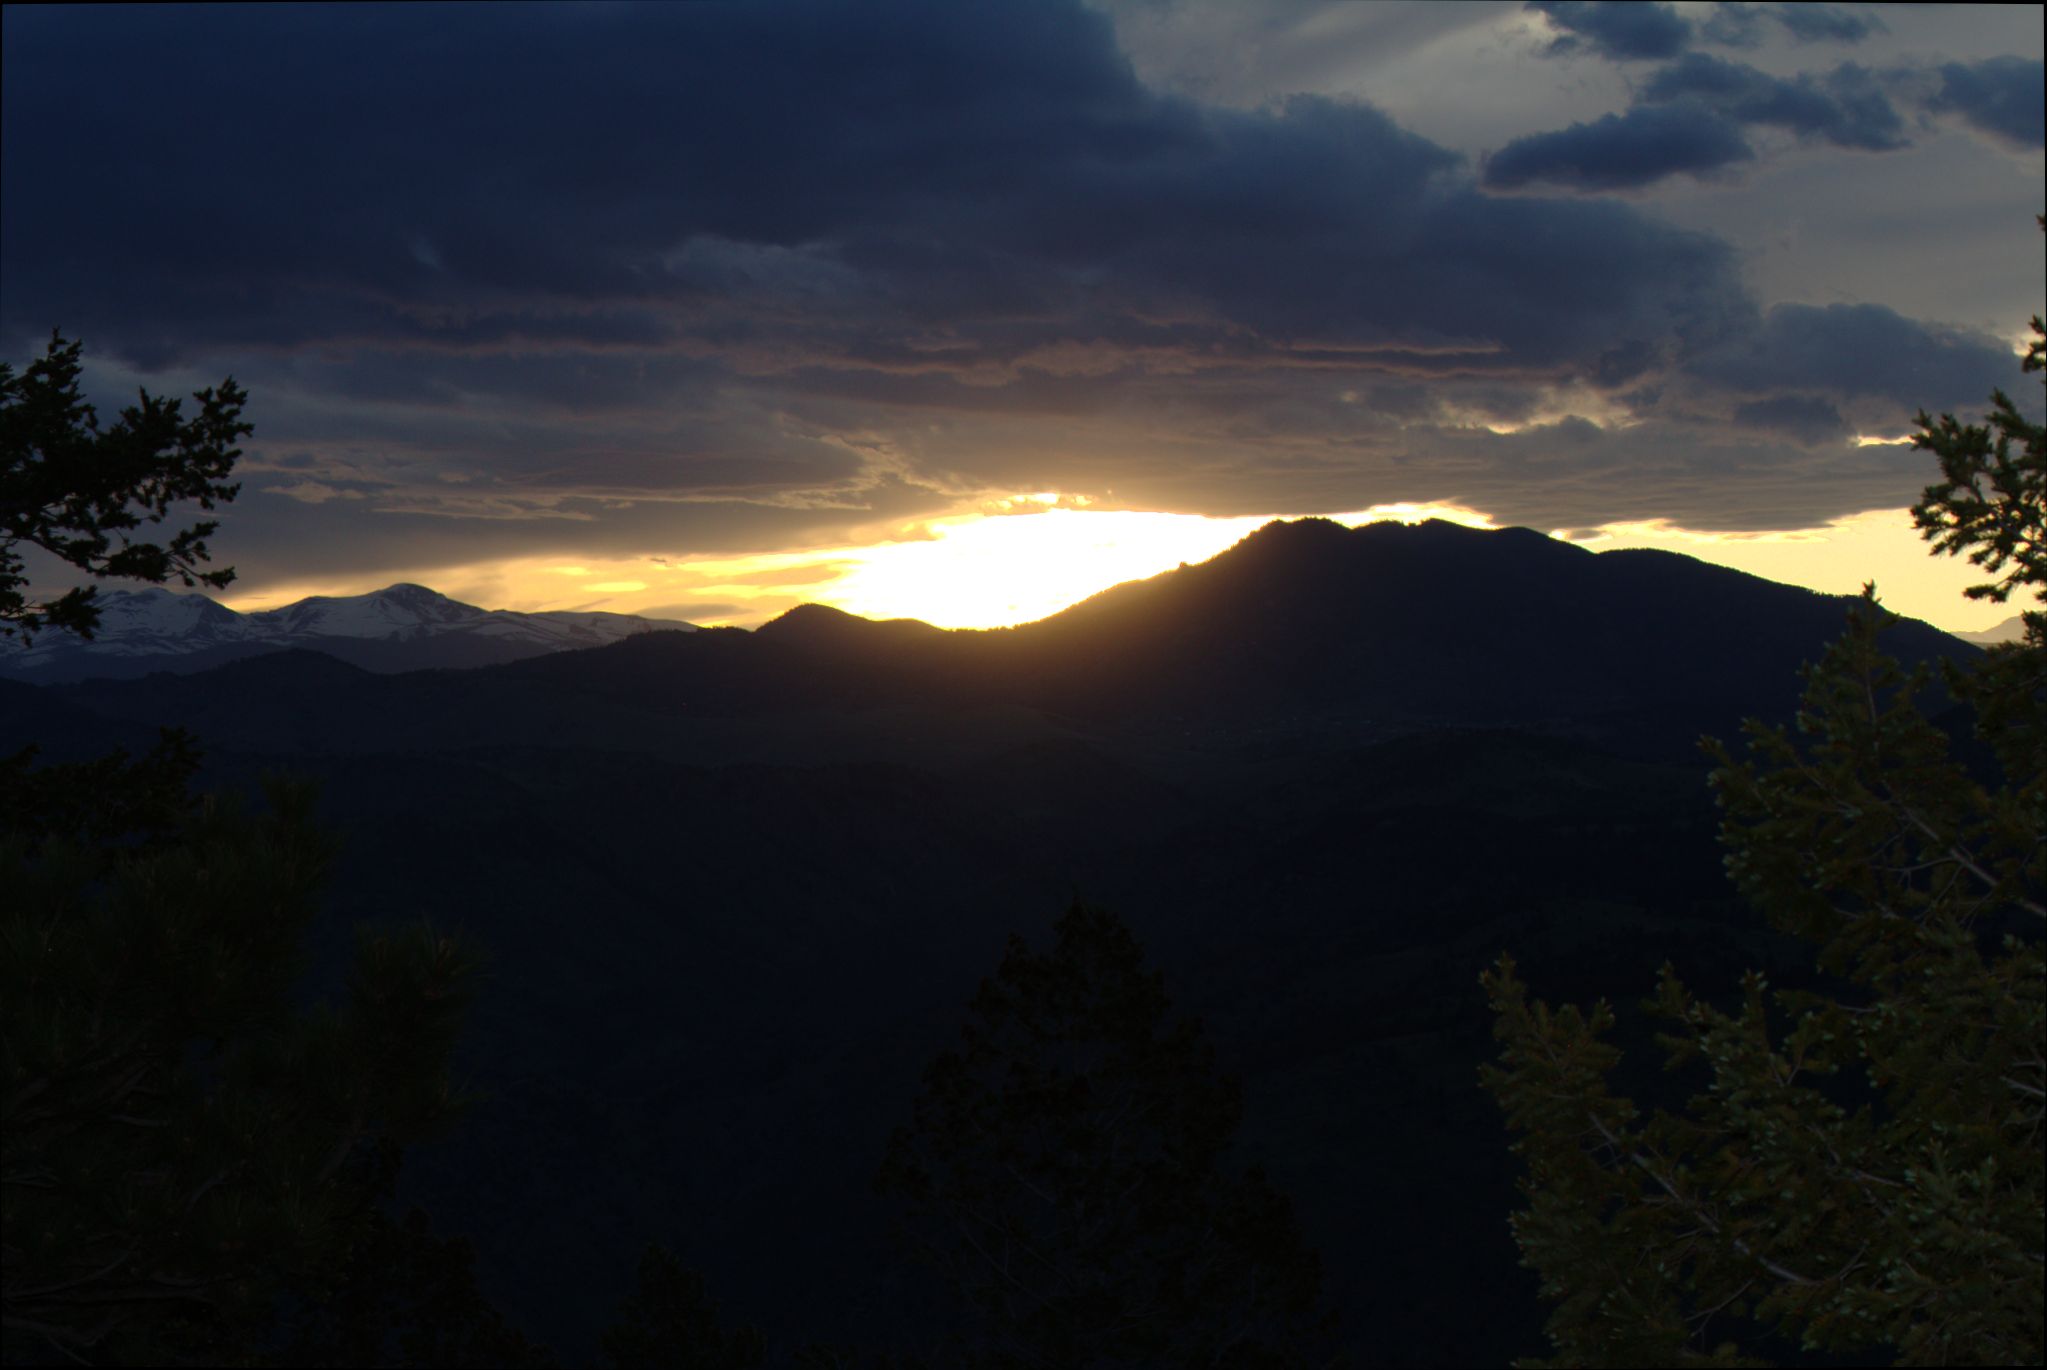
(190, 1162)
(670, 1322)
(1863, 1172)
(108, 799)
(76, 490)
(402, 1296)
(1991, 503)
(181, 1143)
(1066, 1171)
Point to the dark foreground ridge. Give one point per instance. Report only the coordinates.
(736, 888)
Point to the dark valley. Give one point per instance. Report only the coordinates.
(735, 889)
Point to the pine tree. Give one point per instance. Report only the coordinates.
(671, 1323)
(1862, 1173)
(401, 1296)
(1066, 1171)
(186, 1156)
(75, 490)
(182, 1145)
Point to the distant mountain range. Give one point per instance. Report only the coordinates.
(1414, 621)
(399, 628)
(736, 888)
(2011, 630)
(1309, 631)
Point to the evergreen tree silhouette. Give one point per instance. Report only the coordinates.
(1863, 1175)
(1066, 1171)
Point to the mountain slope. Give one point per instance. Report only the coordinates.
(401, 627)
(736, 888)
(1437, 620)
(2012, 629)
(1305, 635)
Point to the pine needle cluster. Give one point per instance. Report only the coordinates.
(1862, 1173)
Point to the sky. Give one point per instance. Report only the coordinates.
(963, 312)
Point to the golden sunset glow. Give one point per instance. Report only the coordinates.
(1019, 558)
(1879, 544)
(978, 572)
(1010, 560)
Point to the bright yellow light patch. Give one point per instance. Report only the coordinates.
(1878, 544)
(1407, 511)
(1023, 557)
(1015, 559)
(985, 572)
(976, 572)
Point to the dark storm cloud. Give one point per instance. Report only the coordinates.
(1622, 151)
(1850, 106)
(1866, 351)
(563, 382)
(770, 187)
(1688, 116)
(1742, 25)
(1846, 107)
(1817, 23)
(758, 183)
(522, 278)
(1804, 418)
(453, 175)
(2004, 96)
(271, 536)
(1687, 120)
(1695, 472)
(1626, 31)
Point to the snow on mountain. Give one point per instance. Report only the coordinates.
(396, 612)
(139, 622)
(139, 625)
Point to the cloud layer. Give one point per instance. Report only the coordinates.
(681, 278)
(1691, 115)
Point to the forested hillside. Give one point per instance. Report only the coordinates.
(735, 889)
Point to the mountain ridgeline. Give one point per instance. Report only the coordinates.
(398, 628)
(1308, 631)
(736, 889)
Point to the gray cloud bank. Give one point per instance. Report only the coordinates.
(1691, 115)
(2001, 96)
(1636, 30)
(679, 278)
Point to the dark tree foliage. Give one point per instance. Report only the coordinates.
(77, 490)
(1991, 503)
(108, 799)
(402, 1296)
(1065, 1170)
(182, 1146)
(1862, 1175)
(193, 1170)
(671, 1323)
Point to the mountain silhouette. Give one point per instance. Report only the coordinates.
(735, 887)
(1305, 630)
(1440, 622)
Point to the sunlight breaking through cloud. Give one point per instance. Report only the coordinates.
(1016, 558)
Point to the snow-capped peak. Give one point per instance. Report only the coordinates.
(398, 612)
(158, 612)
(155, 622)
